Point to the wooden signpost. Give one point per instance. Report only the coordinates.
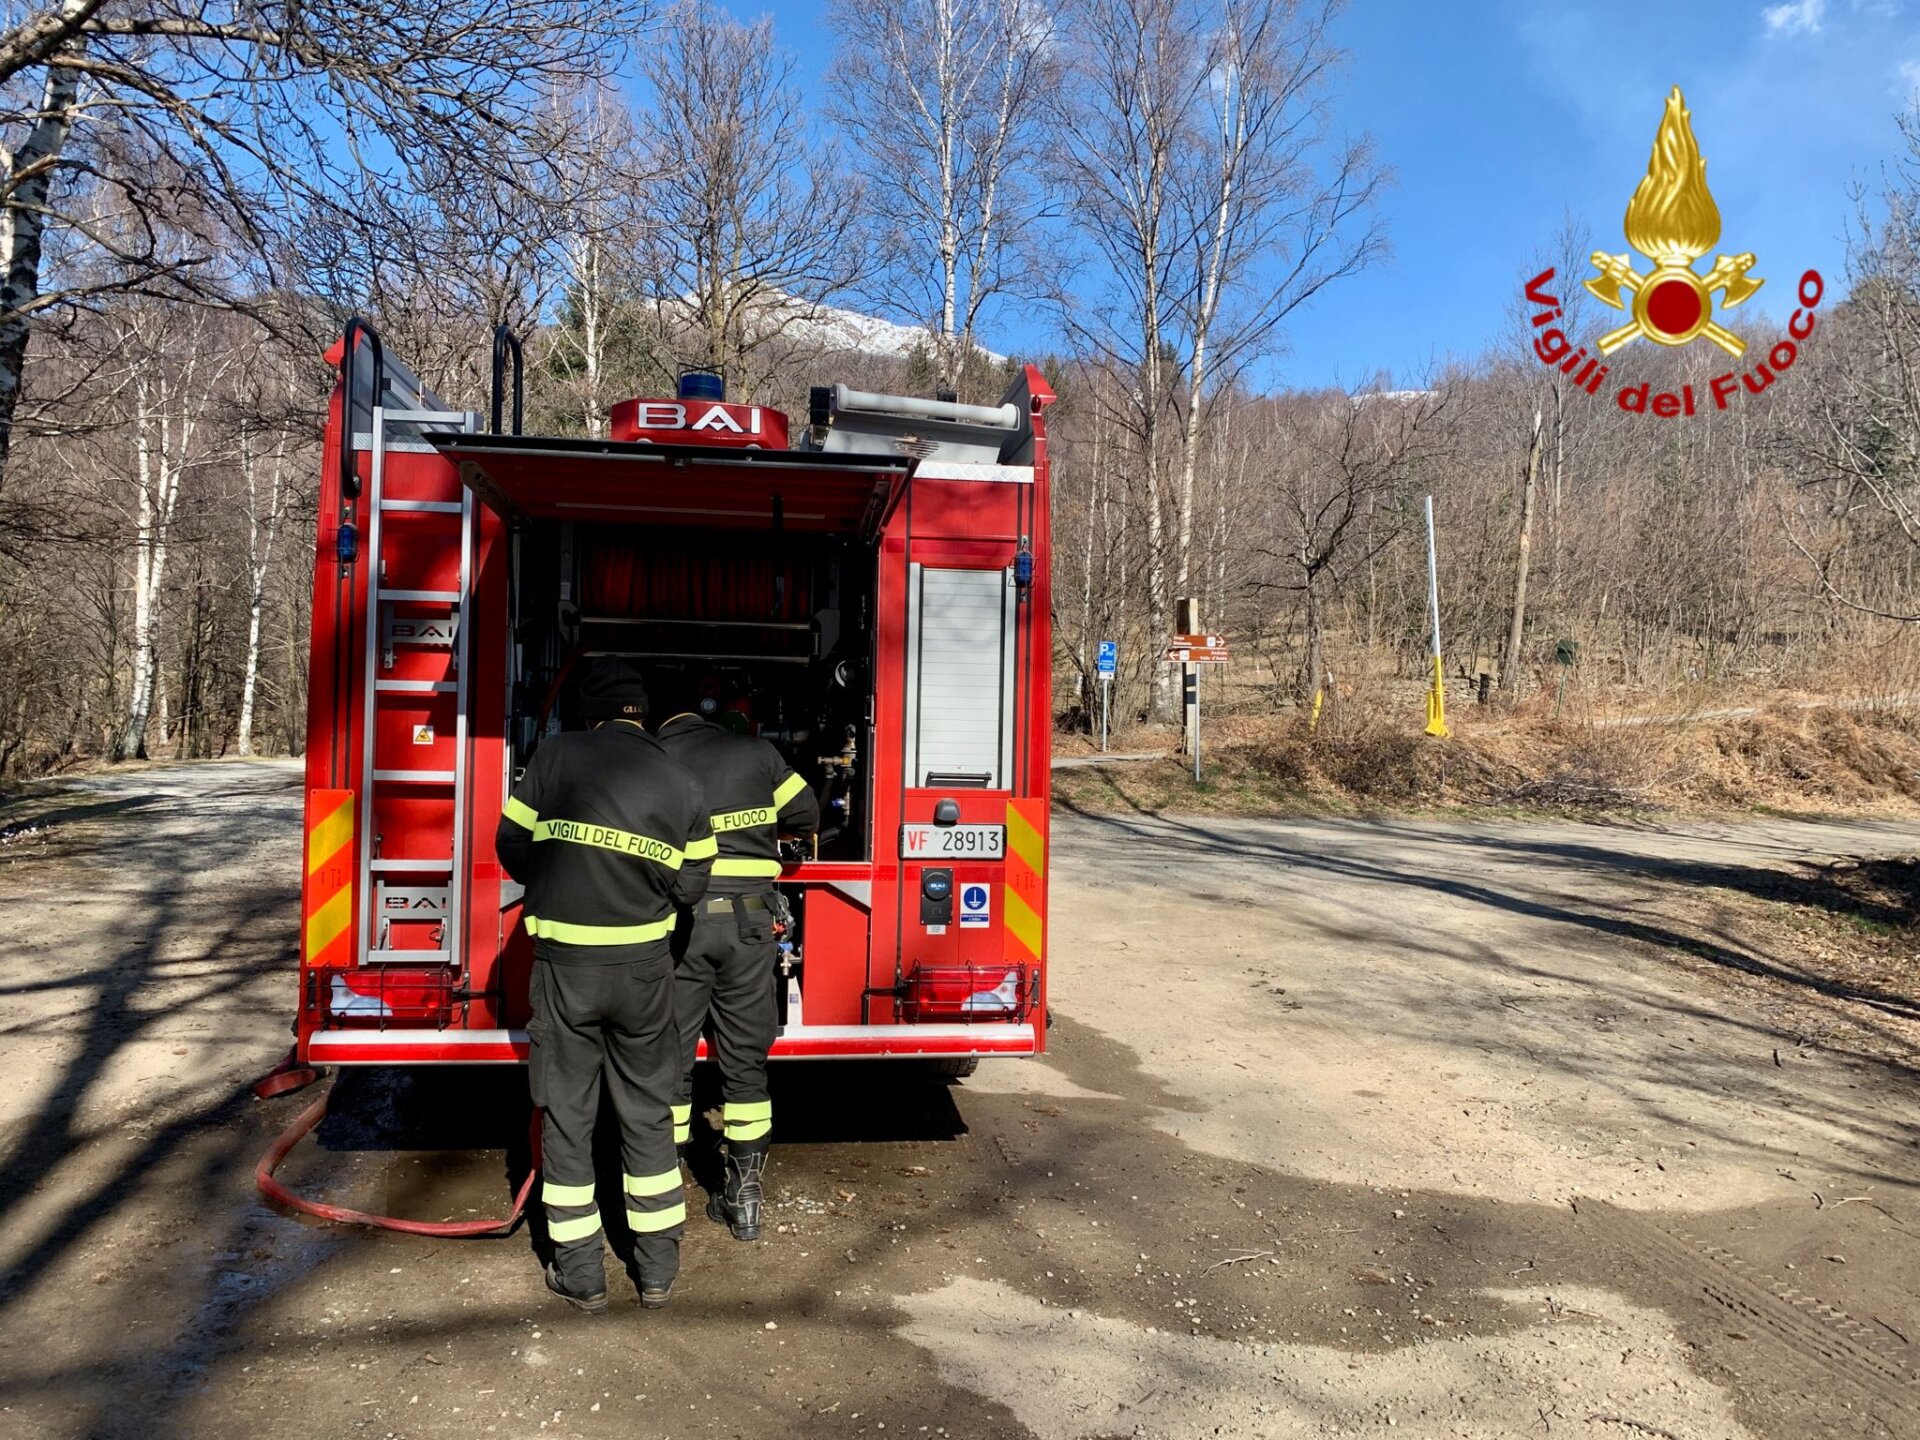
(1190, 648)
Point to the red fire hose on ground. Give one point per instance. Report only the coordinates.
(289, 1076)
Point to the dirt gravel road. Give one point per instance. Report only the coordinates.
(1347, 1128)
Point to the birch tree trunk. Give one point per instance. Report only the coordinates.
(945, 101)
(153, 514)
(260, 538)
(1122, 552)
(946, 121)
(1232, 120)
(1159, 609)
(585, 252)
(1153, 382)
(29, 177)
(162, 442)
(1510, 671)
(1316, 644)
(1559, 473)
(1086, 683)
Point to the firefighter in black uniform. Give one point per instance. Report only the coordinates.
(609, 835)
(725, 981)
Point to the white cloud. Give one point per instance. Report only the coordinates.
(1909, 77)
(1797, 17)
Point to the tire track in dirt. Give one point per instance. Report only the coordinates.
(1796, 1331)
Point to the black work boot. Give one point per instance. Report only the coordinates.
(593, 1304)
(738, 1207)
(655, 1265)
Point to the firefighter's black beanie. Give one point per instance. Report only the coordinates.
(613, 690)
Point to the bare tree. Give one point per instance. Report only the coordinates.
(249, 129)
(1342, 473)
(603, 238)
(601, 338)
(173, 372)
(266, 477)
(267, 436)
(754, 224)
(945, 101)
(1281, 212)
(1857, 438)
(1213, 192)
(1136, 75)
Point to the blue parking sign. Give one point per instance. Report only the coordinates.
(1109, 658)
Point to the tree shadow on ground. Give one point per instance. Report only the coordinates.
(216, 1299)
(1535, 900)
(256, 1357)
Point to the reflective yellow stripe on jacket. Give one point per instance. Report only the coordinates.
(605, 837)
(756, 869)
(760, 814)
(568, 934)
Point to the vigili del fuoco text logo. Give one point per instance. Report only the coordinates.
(1673, 221)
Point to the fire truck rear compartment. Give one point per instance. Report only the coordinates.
(767, 633)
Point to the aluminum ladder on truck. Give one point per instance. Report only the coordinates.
(416, 604)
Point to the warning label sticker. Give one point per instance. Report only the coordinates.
(976, 906)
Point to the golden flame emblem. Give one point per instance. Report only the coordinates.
(1673, 221)
(1672, 218)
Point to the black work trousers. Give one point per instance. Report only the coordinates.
(723, 986)
(611, 1025)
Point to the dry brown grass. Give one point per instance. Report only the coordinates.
(1786, 758)
(1828, 951)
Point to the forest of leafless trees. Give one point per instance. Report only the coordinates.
(198, 193)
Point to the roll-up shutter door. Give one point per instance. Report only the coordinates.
(960, 678)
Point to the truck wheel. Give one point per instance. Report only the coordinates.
(954, 1069)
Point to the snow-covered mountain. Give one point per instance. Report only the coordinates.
(833, 328)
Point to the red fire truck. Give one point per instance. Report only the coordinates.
(867, 590)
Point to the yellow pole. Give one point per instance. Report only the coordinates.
(1437, 703)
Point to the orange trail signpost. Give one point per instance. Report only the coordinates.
(1187, 651)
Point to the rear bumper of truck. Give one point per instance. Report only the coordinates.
(798, 1042)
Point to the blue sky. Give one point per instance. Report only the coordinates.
(1498, 117)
